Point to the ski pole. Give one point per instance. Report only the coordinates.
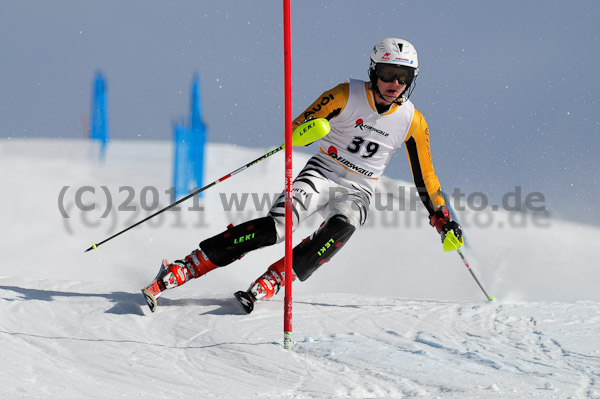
(488, 297)
(451, 243)
(306, 133)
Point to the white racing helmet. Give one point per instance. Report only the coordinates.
(397, 52)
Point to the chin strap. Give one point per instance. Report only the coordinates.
(399, 100)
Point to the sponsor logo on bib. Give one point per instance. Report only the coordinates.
(361, 125)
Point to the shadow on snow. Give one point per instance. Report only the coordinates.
(126, 303)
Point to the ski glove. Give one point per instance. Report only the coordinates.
(443, 223)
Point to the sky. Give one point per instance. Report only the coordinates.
(509, 90)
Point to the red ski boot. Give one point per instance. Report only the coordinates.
(264, 287)
(180, 272)
(175, 274)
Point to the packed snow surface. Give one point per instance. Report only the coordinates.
(392, 316)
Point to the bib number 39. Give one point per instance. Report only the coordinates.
(369, 148)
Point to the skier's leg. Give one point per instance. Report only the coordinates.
(310, 194)
(308, 256)
(321, 246)
(217, 251)
(230, 245)
(347, 211)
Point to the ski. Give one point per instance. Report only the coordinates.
(246, 300)
(150, 300)
(153, 291)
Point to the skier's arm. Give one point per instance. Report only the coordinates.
(419, 157)
(328, 105)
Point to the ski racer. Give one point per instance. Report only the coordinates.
(369, 121)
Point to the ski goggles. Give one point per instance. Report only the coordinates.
(388, 73)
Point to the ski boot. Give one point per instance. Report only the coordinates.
(175, 274)
(264, 287)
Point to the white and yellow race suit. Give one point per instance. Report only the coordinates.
(341, 178)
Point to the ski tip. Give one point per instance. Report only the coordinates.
(245, 300)
(150, 300)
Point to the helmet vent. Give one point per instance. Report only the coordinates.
(400, 47)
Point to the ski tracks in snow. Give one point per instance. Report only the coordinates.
(506, 350)
(97, 343)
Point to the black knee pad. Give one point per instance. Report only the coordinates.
(310, 254)
(236, 241)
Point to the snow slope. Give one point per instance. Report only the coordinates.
(391, 316)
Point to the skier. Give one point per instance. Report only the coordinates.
(369, 121)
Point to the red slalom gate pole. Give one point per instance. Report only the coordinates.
(287, 66)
